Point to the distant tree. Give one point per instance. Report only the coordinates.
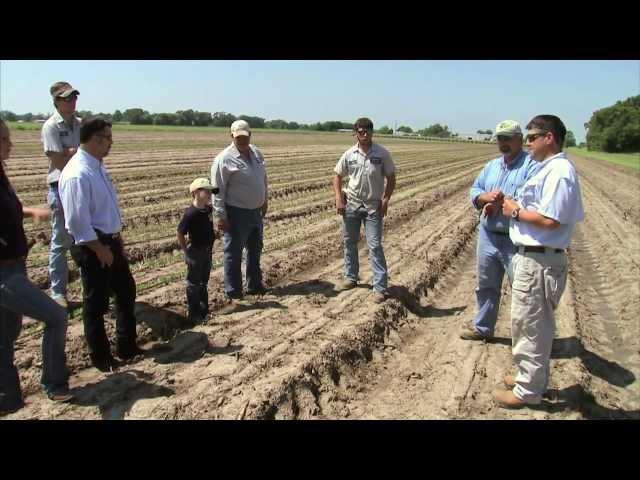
(293, 126)
(385, 130)
(254, 122)
(133, 115)
(8, 116)
(222, 119)
(405, 129)
(202, 119)
(85, 113)
(616, 128)
(582, 145)
(489, 132)
(436, 130)
(165, 119)
(27, 117)
(277, 124)
(570, 140)
(117, 116)
(480, 132)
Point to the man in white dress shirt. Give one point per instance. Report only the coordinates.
(93, 219)
(542, 220)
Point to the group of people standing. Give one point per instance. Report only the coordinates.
(529, 204)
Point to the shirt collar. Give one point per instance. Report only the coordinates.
(89, 160)
(58, 118)
(359, 150)
(516, 161)
(236, 152)
(553, 157)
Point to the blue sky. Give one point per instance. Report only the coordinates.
(463, 94)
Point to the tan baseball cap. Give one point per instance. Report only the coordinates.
(240, 127)
(62, 89)
(202, 183)
(508, 128)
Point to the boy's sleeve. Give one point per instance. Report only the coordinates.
(183, 226)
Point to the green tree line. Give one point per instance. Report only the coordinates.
(615, 128)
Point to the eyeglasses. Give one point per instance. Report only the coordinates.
(362, 131)
(532, 137)
(70, 98)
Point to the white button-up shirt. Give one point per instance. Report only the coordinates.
(56, 136)
(554, 191)
(89, 199)
(241, 183)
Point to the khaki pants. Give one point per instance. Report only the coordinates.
(538, 283)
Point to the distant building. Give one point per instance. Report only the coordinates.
(347, 130)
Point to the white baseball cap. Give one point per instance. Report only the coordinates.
(240, 127)
(508, 128)
(202, 183)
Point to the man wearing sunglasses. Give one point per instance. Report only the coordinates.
(544, 215)
(365, 200)
(94, 220)
(502, 176)
(60, 138)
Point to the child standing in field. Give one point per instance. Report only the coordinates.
(197, 223)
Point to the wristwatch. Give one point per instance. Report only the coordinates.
(516, 214)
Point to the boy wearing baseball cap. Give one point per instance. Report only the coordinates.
(197, 223)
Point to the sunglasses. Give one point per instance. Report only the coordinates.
(69, 99)
(362, 131)
(503, 138)
(532, 137)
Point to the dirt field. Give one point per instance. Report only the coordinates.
(305, 350)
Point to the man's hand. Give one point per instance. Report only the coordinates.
(340, 205)
(384, 206)
(508, 206)
(489, 209)
(38, 214)
(104, 254)
(223, 225)
(495, 196)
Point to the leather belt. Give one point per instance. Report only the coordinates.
(539, 249)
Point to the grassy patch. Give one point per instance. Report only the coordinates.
(627, 159)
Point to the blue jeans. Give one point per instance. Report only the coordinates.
(494, 254)
(352, 219)
(19, 296)
(198, 260)
(245, 232)
(61, 241)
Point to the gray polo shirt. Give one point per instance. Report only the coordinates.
(58, 135)
(241, 183)
(366, 172)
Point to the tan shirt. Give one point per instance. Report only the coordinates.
(56, 136)
(366, 172)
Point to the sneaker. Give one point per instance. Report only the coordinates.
(261, 290)
(62, 396)
(347, 284)
(129, 352)
(507, 399)
(379, 297)
(469, 333)
(106, 365)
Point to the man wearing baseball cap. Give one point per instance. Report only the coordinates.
(60, 138)
(544, 213)
(239, 206)
(197, 223)
(502, 176)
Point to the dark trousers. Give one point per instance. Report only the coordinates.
(198, 259)
(98, 283)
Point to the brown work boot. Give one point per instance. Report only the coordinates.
(346, 284)
(470, 333)
(510, 381)
(379, 297)
(507, 399)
